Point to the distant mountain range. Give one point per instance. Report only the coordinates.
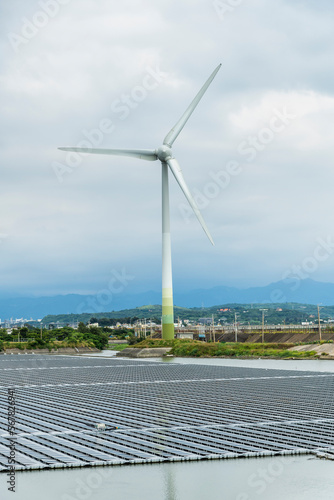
(303, 291)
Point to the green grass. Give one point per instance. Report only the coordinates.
(46, 345)
(158, 343)
(193, 348)
(117, 347)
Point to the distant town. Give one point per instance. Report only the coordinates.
(147, 319)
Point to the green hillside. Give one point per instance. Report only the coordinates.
(289, 313)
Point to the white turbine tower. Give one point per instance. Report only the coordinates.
(165, 155)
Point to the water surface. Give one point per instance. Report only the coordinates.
(274, 478)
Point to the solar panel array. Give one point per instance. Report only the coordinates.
(164, 411)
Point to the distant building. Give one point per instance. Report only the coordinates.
(205, 321)
(185, 335)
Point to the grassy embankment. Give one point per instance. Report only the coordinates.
(190, 348)
(117, 347)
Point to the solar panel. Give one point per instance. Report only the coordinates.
(163, 411)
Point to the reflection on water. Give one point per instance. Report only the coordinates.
(104, 354)
(170, 492)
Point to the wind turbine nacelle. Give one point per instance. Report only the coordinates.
(164, 153)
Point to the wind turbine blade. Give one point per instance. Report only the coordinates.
(143, 154)
(174, 132)
(177, 172)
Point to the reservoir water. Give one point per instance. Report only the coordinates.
(299, 478)
(315, 365)
(274, 478)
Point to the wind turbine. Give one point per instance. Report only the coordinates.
(165, 155)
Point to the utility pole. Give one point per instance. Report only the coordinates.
(236, 327)
(41, 331)
(319, 325)
(213, 329)
(263, 311)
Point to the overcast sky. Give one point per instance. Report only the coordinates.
(257, 153)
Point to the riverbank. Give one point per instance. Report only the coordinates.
(190, 348)
(117, 347)
(52, 348)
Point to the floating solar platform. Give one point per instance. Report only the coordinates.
(156, 412)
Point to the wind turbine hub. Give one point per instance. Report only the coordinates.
(164, 153)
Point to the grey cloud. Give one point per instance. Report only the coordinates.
(106, 213)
